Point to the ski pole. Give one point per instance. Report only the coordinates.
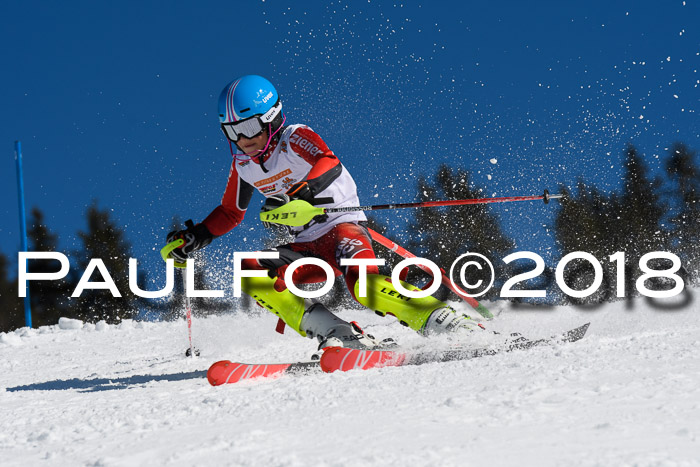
(298, 212)
(191, 352)
(165, 253)
(404, 253)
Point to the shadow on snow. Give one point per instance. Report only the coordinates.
(107, 384)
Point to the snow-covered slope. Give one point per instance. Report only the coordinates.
(628, 394)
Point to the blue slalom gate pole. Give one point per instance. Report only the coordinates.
(22, 226)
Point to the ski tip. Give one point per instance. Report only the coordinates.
(218, 373)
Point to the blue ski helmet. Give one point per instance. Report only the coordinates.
(247, 105)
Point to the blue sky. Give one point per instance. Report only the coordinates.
(116, 102)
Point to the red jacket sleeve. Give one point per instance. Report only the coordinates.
(233, 205)
(326, 166)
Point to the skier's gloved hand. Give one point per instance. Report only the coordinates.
(196, 237)
(301, 190)
(273, 202)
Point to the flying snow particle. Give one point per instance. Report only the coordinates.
(494, 161)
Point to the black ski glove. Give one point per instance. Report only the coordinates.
(300, 190)
(273, 202)
(196, 237)
(303, 191)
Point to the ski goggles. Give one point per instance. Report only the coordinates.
(252, 126)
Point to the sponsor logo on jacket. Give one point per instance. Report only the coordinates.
(305, 144)
(287, 183)
(272, 179)
(266, 190)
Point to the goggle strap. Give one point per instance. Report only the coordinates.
(270, 115)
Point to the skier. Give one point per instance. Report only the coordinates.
(292, 162)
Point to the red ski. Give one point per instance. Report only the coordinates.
(226, 372)
(344, 359)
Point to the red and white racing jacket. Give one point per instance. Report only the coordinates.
(300, 155)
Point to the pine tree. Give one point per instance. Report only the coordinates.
(685, 174)
(11, 308)
(643, 211)
(443, 234)
(106, 241)
(630, 221)
(589, 221)
(50, 299)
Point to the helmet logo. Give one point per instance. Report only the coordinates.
(268, 97)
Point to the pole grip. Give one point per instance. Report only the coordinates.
(165, 252)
